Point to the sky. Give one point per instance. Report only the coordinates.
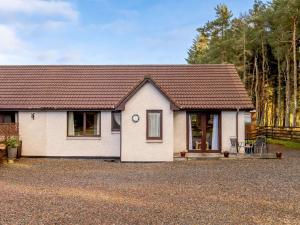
(103, 31)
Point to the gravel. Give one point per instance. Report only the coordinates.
(72, 191)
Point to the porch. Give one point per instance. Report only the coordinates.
(205, 156)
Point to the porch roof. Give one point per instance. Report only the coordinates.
(94, 87)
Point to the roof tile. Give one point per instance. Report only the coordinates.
(102, 87)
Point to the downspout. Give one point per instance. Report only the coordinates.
(237, 128)
(121, 112)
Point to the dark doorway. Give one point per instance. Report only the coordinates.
(7, 117)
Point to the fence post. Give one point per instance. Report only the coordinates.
(283, 133)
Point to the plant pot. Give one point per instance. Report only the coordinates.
(182, 154)
(12, 153)
(226, 154)
(278, 155)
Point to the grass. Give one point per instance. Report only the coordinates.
(286, 143)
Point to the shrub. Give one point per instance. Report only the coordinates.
(12, 142)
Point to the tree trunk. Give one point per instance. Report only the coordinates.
(287, 93)
(273, 115)
(278, 121)
(262, 119)
(244, 58)
(295, 73)
(253, 79)
(266, 112)
(257, 99)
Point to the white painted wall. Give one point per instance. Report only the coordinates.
(135, 147)
(33, 133)
(179, 131)
(46, 135)
(229, 128)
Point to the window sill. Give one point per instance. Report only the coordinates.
(154, 141)
(83, 138)
(115, 132)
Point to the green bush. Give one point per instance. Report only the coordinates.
(12, 142)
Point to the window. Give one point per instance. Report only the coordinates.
(154, 125)
(248, 119)
(86, 124)
(7, 117)
(115, 121)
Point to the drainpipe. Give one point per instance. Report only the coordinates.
(237, 128)
(120, 135)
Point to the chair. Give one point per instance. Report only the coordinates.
(233, 144)
(249, 148)
(260, 145)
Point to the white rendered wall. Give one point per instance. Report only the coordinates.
(33, 133)
(229, 128)
(46, 135)
(135, 147)
(180, 131)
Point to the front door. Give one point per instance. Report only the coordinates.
(204, 131)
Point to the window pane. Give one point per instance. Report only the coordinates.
(84, 123)
(247, 118)
(7, 117)
(78, 123)
(154, 124)
(116, 121)
(195, 132)
(91, 124)
(212, 134)
(71, 128)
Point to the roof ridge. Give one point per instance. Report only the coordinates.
(116, 65)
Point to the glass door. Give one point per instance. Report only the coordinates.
(203, 132)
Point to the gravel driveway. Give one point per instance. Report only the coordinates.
(62, 191)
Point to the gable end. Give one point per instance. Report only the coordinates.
(147, 79)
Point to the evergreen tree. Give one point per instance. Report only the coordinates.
(263, 45)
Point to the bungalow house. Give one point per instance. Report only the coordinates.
(133, 112)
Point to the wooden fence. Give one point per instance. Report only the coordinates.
(283, 133)
(8, 129)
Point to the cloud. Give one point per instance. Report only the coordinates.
(41, 7)
(22, 20)
(14, 50)
(9, 41)
(54, 24)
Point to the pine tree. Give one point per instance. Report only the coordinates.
(263, 45)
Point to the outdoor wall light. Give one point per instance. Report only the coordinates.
(135, 118)
(32, 116)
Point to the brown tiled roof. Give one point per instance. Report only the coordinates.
(103, 87)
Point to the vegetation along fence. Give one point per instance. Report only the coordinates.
(8, 129)
(283, 133)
